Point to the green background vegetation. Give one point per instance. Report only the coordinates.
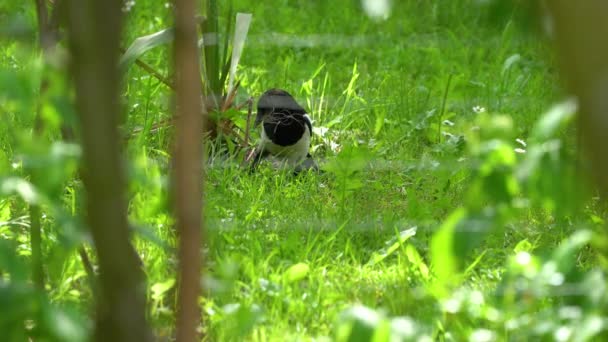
(436, 216)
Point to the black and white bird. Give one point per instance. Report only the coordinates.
(286, 131)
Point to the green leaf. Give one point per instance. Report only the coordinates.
(11, 263)
(512, 60)
(383, 254)
(350, 160)
(148, 234)
(21, 187)
(227, 31)
(240, 319)
(296, 272)
(243, 20)
(404, 329)
(565, 255)
(383, 332)
(379, 122)
(559, 115)
(358, 324)
(523, 246)
(64, 325)
(159, 289)
(475, 262)
(142, 45)
(414, 257)
(590, 327)
(444, 259)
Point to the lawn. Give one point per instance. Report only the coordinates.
(450, 206)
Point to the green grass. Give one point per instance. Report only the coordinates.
(376, 87)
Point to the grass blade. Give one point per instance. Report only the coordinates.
(243, 20)
(142, 45)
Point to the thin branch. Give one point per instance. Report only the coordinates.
(88, 268)
(36, 245)
(248, 124)
(188, 169)
(149, 69)
(249, 155)
(230, 98)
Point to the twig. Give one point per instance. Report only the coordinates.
(36, 245)
(248, 124)
(248, 155)
(152, 72)
(230, 98)
(88, 268)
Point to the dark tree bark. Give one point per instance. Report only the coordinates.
(188, 168)
(94, 29)
(581, 31)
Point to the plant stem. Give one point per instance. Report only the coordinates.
(36, 246)
(188, 169)
(443, 102)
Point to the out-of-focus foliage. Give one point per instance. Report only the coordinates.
(468, 221)
(541, 294)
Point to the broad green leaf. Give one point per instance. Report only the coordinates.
(296, 272)
(383, 332)
(444, 259)
(350, 160)
(142, 45)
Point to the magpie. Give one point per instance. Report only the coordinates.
(286, 131)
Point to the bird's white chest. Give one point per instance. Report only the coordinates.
(293, 153)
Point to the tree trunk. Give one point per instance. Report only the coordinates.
(581, 28)
(94, 32)
(188, 169)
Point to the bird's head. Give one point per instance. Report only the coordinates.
(276, 100)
